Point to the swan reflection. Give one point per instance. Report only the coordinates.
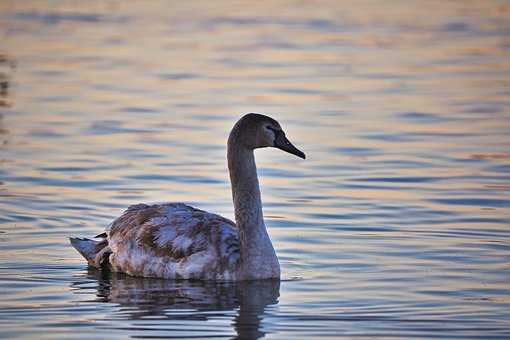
(164, 300)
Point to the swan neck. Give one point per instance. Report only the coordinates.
(245, 188)
(258, 258)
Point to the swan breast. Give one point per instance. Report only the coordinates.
(174, 241)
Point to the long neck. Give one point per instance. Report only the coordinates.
(258, 258)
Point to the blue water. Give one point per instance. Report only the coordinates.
(395, 226)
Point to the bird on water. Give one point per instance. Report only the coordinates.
(176, 241)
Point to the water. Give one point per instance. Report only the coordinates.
(395, 226)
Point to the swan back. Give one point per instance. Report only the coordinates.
(175, 241)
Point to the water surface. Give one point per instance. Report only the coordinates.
(395, 226)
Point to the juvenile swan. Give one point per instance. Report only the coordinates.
(176, 241)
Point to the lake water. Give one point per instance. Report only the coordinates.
(395, 226)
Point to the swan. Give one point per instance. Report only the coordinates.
(177, 241)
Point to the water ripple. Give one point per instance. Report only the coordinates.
(396, 224)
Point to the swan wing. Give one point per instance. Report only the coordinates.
(174, 241)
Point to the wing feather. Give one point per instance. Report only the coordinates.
(174, 241)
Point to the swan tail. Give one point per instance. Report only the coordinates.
(96, 253)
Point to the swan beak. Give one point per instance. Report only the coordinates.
(281, 142)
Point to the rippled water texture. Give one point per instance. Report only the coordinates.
(396, 225)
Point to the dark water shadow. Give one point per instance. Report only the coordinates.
(169, 300)
(7, 68)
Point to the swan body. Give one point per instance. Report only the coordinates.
(176, 241)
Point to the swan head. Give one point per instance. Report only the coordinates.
(259, 131)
